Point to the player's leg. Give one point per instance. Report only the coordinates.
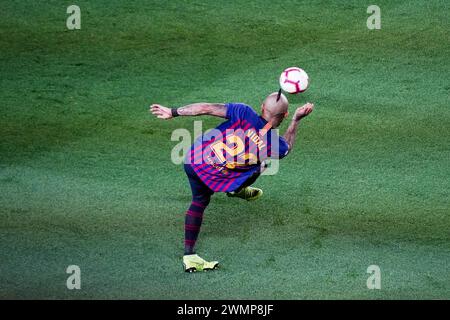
(194, 217)
(201, 196)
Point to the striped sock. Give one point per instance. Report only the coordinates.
(192, 223)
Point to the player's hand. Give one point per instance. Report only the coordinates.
(160, 111)
(303, 111)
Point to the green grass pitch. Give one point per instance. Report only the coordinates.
(85, 170)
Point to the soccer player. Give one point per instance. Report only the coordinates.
(230, 158)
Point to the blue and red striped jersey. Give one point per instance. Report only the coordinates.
(225, 157)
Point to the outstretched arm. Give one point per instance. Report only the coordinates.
(195, 109)
(291, 131)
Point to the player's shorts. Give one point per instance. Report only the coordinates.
(200, 189)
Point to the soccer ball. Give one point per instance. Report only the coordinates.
(294, 80)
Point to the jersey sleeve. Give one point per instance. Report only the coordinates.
(283, 147)
(239, 111)
(279, 148)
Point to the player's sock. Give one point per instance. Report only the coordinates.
(192, 224)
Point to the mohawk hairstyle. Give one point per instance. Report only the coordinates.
(279, 95)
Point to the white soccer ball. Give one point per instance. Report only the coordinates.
(294, 80)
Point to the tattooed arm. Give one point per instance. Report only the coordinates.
(195, 109)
